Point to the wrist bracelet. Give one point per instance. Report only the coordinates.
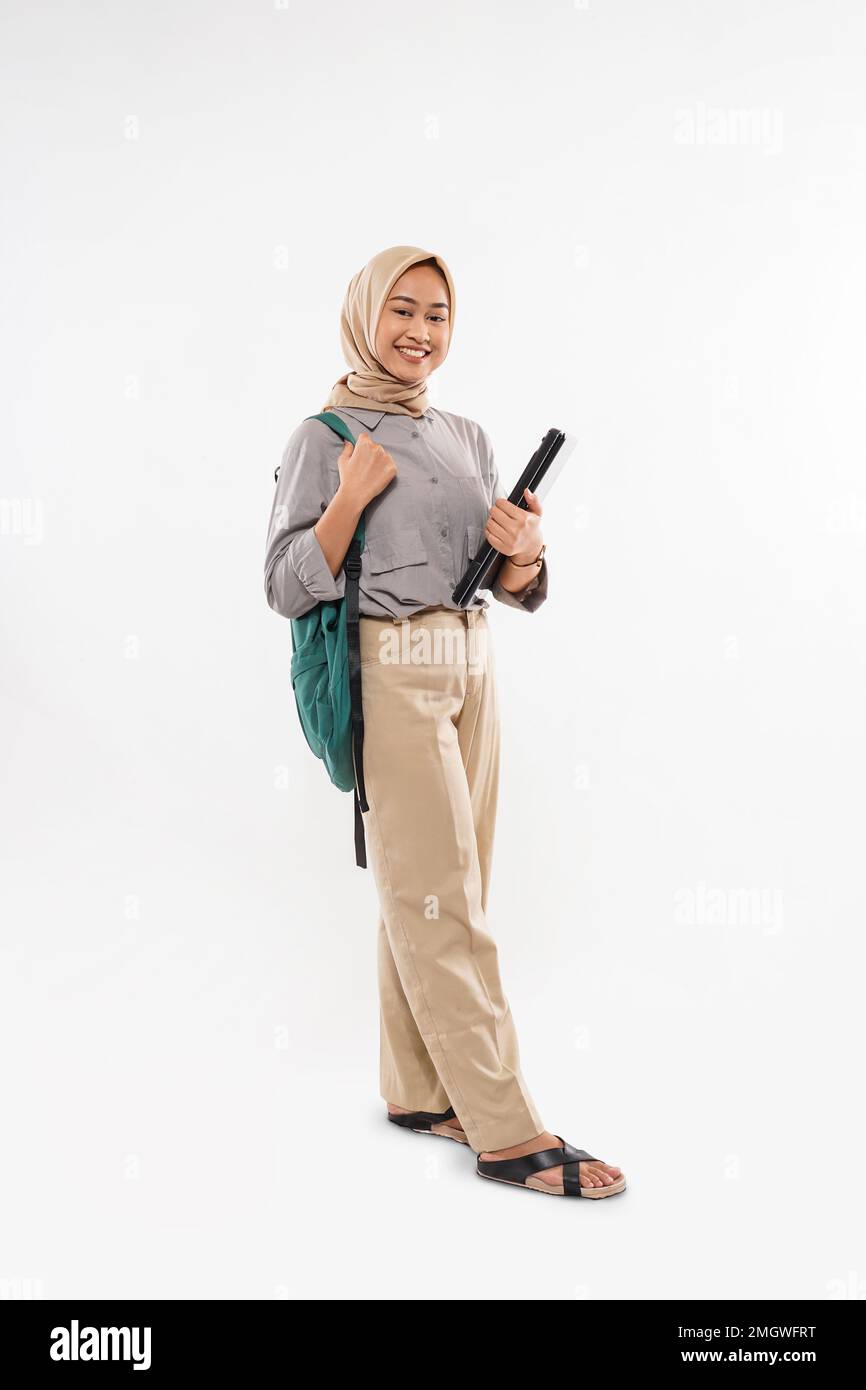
(527, 563)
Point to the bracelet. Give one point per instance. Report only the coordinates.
(527, 563)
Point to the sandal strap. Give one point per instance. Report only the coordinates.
(571, 1179)
(422, 1119)
(519, 1169)
(573, 1155)
(571, 1170)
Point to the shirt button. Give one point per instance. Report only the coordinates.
(415, 434)
(444, 531)
(434, 480)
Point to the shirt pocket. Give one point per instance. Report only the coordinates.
(473, 501)
(398, 565)
(474, 540)
(473, 483)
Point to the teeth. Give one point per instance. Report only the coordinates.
(411, 352)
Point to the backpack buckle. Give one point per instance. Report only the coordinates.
(352, 566)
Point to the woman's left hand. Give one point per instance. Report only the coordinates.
(513, 531)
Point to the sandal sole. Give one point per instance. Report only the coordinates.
(442, 1132)
(539, 1185)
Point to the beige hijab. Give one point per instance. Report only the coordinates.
(367, 383)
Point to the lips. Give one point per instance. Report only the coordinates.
(413, 354)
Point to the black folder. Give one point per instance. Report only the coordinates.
(538, 475)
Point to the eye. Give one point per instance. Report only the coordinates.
(440, 318)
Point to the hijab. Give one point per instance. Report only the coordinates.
(367, 384)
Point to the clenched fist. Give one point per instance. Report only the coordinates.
(365, 470)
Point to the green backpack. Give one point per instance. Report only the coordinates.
(326, 675)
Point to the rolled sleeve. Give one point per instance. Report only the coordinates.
(297, 575)
(312, 570)
(530, 598)
(535, 593)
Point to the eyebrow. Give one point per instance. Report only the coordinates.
(409, 300)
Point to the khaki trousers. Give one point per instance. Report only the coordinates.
(431, 766)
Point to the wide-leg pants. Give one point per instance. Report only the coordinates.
(431, 766)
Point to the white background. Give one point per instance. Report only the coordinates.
(654, 215)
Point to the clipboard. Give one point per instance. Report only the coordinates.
(539, 476)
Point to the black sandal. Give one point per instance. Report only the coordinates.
(428, 1122)
(520, 1172)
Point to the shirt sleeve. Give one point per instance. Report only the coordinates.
(297, 575)
(535, 593)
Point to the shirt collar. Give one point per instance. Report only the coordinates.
(371, 418)
(368, 418)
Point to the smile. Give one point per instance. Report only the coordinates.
(414, 353)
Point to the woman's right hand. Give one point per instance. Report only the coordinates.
(365, 470)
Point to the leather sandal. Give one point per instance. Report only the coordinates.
(428, 1122)
(520, 1172)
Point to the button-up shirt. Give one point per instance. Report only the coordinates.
(420, 531)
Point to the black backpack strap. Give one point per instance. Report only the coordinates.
(352, 566)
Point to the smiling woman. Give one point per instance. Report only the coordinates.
(426, 484)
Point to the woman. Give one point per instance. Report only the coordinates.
(429, 489)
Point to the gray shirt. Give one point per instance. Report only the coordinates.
(419, 532)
